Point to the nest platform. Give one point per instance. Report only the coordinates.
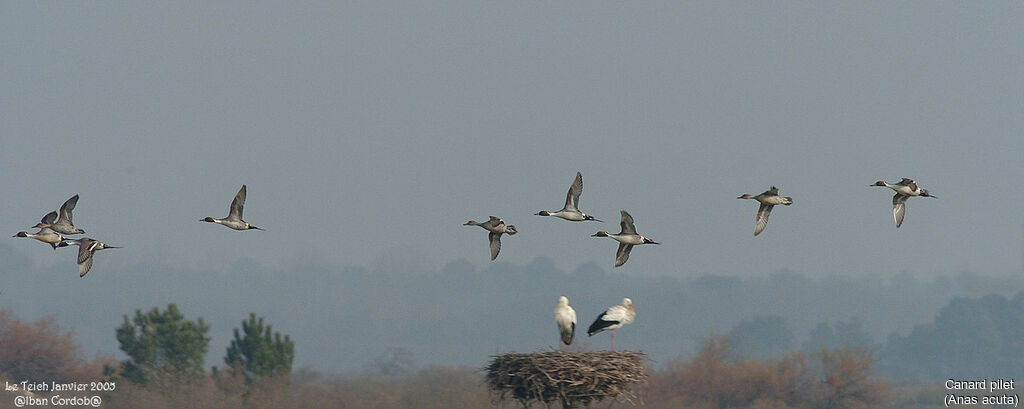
(567, 377)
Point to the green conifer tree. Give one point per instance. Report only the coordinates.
(163, 345)
(258, 352)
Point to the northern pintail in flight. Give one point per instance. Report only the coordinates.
(565, 318)
(45, 235)
(496, 227)
(234, 219)
(905, 188)
(571, 210)
(627, 238)
(64, 223)
(86, 248)
(46, 221)
(613, 318)
(768, 200)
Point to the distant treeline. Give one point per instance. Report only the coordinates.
(918, 328)
(718, 375)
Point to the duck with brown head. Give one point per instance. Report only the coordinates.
(496, 227)
(234, 219)
(64, 223)
(627, 238)
(905, 189)
(571, 211)
(86, 248)
(768, 200)
(45, 235)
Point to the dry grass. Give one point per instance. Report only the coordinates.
(570, 378)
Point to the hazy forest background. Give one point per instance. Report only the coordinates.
(785, 338)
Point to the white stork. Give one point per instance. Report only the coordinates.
(613, 318)
(565, 317)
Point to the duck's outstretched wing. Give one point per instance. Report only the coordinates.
(762, 218)
(237, 205)
(622, 254)
(495, 240)
(899, 207)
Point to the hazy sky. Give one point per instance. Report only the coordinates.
(372, 131)
(368, 132)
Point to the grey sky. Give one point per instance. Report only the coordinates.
(368, 132)
(365, 129)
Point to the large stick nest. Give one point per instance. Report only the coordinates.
(570, 378)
